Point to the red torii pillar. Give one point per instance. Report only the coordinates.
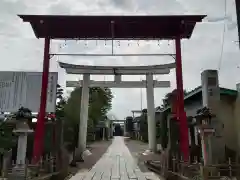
(40, 127)
(181, 114)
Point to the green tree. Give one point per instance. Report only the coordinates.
(7, 138)
(59, 92)
(61, 102)
(168, 96)
(100, 102)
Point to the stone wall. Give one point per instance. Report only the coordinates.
(226, 116)
(228, 113)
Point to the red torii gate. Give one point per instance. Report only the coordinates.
(109, 28)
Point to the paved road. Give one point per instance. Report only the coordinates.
(116, 164)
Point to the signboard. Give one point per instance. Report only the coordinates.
(24, 89)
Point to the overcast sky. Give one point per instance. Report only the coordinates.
(20, 50)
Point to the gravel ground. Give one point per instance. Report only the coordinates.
(137, 148)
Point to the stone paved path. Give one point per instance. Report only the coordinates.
(116, 164)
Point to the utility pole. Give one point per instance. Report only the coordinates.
(141, 98)
(237, 2)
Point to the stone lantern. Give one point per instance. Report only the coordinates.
(22, 130)
(206, 130)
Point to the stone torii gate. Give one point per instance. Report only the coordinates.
(140, 27)
(117, 71)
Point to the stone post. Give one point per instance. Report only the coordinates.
(7, 162)
(107, 125)
(211, 99)
(103, 136)
(151, 113)
(125, 133)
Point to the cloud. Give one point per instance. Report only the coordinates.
(20, 50)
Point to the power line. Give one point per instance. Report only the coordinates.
(223, 36)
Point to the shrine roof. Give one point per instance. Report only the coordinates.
(197, 92)
(112, 27)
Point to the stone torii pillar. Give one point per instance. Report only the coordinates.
(151, 113)
(82, 136)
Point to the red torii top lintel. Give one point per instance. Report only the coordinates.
(112, 27)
